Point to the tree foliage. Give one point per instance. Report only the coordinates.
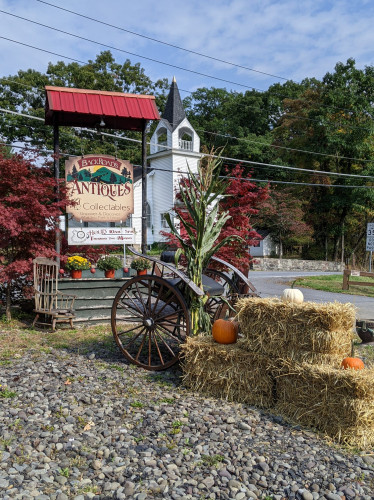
(283, 216)
(27, 208)
(242, 200)
(24, 93)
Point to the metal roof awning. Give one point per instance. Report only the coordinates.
(87, 108)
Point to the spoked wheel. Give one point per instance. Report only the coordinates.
(150, 320)
(215, 306)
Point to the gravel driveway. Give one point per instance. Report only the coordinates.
(79, 427)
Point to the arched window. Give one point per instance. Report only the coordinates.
(162, 139)
(186, 139)
(149, 214)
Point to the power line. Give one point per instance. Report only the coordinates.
(124, 51)
(152, 60)
(162, 42)
(266, 181)
(231, 137)
(236, 160)
(353, 127)
(276, 182)
(244, 139)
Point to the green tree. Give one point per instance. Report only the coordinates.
(333, 117)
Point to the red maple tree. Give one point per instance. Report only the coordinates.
(242, 200)
(27, 209)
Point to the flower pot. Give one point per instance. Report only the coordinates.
(141, 272)
(109, 273)
(76, 274)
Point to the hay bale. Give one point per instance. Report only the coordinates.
(337, 402)
(227, 371)
(277, 328)
(289, 353)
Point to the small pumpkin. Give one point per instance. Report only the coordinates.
(293, 295)
(225, 332)
(353, 363)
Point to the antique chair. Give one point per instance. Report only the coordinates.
(49, 302)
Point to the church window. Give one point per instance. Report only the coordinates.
(162, 139)
(186, 139)
(149, 214)
(164, 224)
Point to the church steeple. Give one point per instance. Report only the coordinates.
(174, 112)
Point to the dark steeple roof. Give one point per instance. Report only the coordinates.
(174, 111)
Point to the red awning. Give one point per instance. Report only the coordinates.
(86, 108)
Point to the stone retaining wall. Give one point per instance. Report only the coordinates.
(267, 264)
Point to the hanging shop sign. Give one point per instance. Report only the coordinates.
(101, 187)
(101, 236)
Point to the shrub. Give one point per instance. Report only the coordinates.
(140, 264)
(109, 262)
(76, 262)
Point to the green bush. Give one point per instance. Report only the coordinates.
(140, 264)
(109, 262)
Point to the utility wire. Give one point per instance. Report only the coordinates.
(225, 177)
(244, 139)
(126, 52)
(236, 160)
(231, 137)
(150, 59)
(162, 42)
(274, 182)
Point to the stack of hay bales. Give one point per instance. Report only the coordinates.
(288, 360)
(307, 332)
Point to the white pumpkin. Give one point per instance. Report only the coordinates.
(293, 295)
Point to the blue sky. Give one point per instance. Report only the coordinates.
(292, 39)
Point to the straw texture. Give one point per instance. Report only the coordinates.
(335, 401)
(227, 372)
(309, 332)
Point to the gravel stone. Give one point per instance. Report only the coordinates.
(119, 432)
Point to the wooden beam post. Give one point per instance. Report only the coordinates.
(56, 168)
(144, 187)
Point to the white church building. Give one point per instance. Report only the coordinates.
(174, 146)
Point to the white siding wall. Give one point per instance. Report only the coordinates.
(267, 246)
(136, 217)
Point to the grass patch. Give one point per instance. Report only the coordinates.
(334, 283)
(212, 460)
(6, 393)
(22, 338)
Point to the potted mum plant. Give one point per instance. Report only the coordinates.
(141, 265)
(76, 264)
(109, 264)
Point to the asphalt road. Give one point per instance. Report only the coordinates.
(272, 284)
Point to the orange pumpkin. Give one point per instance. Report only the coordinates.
(354, 363)
(225, 332)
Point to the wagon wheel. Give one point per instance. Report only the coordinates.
(150, 319)
(215, 306)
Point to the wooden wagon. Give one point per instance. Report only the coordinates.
(150, 313)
